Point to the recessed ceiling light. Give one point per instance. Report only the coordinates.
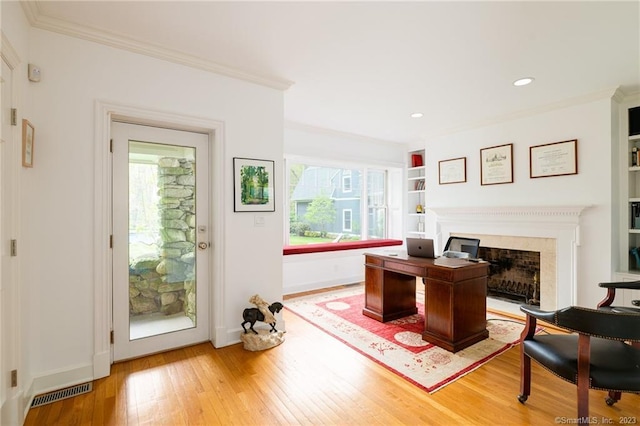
(523, 81)
(417, 115)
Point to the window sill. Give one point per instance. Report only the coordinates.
(352, 245)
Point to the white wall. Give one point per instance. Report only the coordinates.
(57, 195)
(312, 271)
(591, 124)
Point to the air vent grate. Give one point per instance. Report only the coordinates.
(50, 397)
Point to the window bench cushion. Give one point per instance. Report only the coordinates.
(350, 245)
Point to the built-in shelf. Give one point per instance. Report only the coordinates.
(630, 187)
(415, 193)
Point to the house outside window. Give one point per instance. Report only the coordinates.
(330, 203)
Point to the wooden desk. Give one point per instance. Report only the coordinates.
(455, 306)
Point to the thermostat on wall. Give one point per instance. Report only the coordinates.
(34, 73)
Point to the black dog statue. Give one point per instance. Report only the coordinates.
(251, 315)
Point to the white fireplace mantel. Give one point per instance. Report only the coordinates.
(561, 223)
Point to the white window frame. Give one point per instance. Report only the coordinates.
(344, 214)
(346, 177)
(364, 207)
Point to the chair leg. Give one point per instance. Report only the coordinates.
(525, 376)
(613, 397)
(583, 399)
(584, 351)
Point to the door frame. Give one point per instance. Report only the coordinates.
(105, 113)
(13, 407)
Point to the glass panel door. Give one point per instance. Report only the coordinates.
(162, 269)
(160, 239)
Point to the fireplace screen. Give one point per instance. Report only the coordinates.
(513, 274)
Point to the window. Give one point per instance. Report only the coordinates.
(335, 203)
(376, 204)
(346, 181)
(346, 220)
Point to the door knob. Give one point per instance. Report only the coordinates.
(203, 245)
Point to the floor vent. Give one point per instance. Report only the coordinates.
(50, 397)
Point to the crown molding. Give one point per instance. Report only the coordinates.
(38, 20)
(609, 93)
(619, 95)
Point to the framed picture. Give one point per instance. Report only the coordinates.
(28, 139)
(553, 159)
(253, 185)
(496, 164)
(452, 171)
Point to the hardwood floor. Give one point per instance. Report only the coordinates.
(313, 379)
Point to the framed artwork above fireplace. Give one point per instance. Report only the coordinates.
(496, 165)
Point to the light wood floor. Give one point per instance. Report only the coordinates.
(313, 379)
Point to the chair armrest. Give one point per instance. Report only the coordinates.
(533, 314)
(632, 285)
(547, 316)
(611, 290)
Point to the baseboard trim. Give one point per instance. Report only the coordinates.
(319, 285)
(101, 365)
(60, 380)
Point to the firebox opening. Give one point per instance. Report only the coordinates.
(514, 275)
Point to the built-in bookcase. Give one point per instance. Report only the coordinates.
(416, 194)
(631, 134)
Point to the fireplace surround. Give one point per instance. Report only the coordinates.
(554, 231)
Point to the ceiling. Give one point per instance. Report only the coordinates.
(364, 67)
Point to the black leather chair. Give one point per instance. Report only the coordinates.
(595, 355)
(466, 245)
(611, 295)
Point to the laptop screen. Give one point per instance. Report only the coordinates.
(420, 247)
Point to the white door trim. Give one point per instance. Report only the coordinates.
(105, 112)
(13, 407)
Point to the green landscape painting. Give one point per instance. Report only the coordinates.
(254, 184)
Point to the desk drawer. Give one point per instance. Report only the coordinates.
(441, 274)
(415, 270)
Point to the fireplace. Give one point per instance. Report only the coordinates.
(554, 232)
(513, 274)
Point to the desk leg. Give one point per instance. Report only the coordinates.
(389, 295)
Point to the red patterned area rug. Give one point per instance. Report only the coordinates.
(398, 345)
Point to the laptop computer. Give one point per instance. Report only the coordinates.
(420, 247)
